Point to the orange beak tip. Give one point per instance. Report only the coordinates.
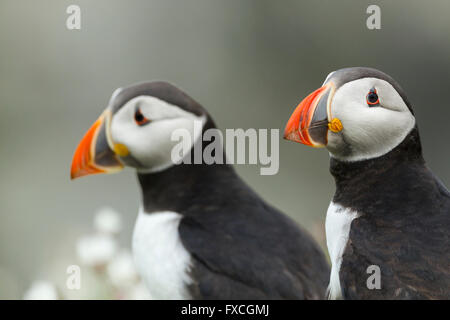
(76, 174)
(88, 170)
(82, 162)
(292, 136)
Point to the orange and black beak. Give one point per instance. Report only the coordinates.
(309, 123)
(95, 152)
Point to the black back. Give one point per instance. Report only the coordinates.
(404, 225)
(242, 248)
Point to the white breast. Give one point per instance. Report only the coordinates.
(160, 257)
(337, 227)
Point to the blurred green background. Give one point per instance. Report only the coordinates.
(248, 62)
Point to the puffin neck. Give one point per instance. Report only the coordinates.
(171, 189)
(350, 176)
(174, 187)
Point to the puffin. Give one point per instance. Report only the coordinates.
(388, 224)
(201, 231)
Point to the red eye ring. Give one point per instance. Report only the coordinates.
(140, 118)
(372, 98)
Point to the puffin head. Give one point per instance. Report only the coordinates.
(358, 113)
(135, 130)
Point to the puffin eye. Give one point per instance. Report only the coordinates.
(140, 118)
(372, 98)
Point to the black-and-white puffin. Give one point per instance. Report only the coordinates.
(389, 210)
(201, 232)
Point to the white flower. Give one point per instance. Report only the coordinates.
(108, 221)
(121, 270)
(41, 290)
(96, 250)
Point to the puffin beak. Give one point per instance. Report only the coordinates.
(94, 153)
(309, 123)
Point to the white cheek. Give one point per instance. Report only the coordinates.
(368, 132)
(151, 144)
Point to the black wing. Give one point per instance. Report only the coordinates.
(411, 249)
(248, 250)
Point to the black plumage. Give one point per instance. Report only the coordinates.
(403, 227)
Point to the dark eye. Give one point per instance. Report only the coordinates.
(140, 118)
(372, 98)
